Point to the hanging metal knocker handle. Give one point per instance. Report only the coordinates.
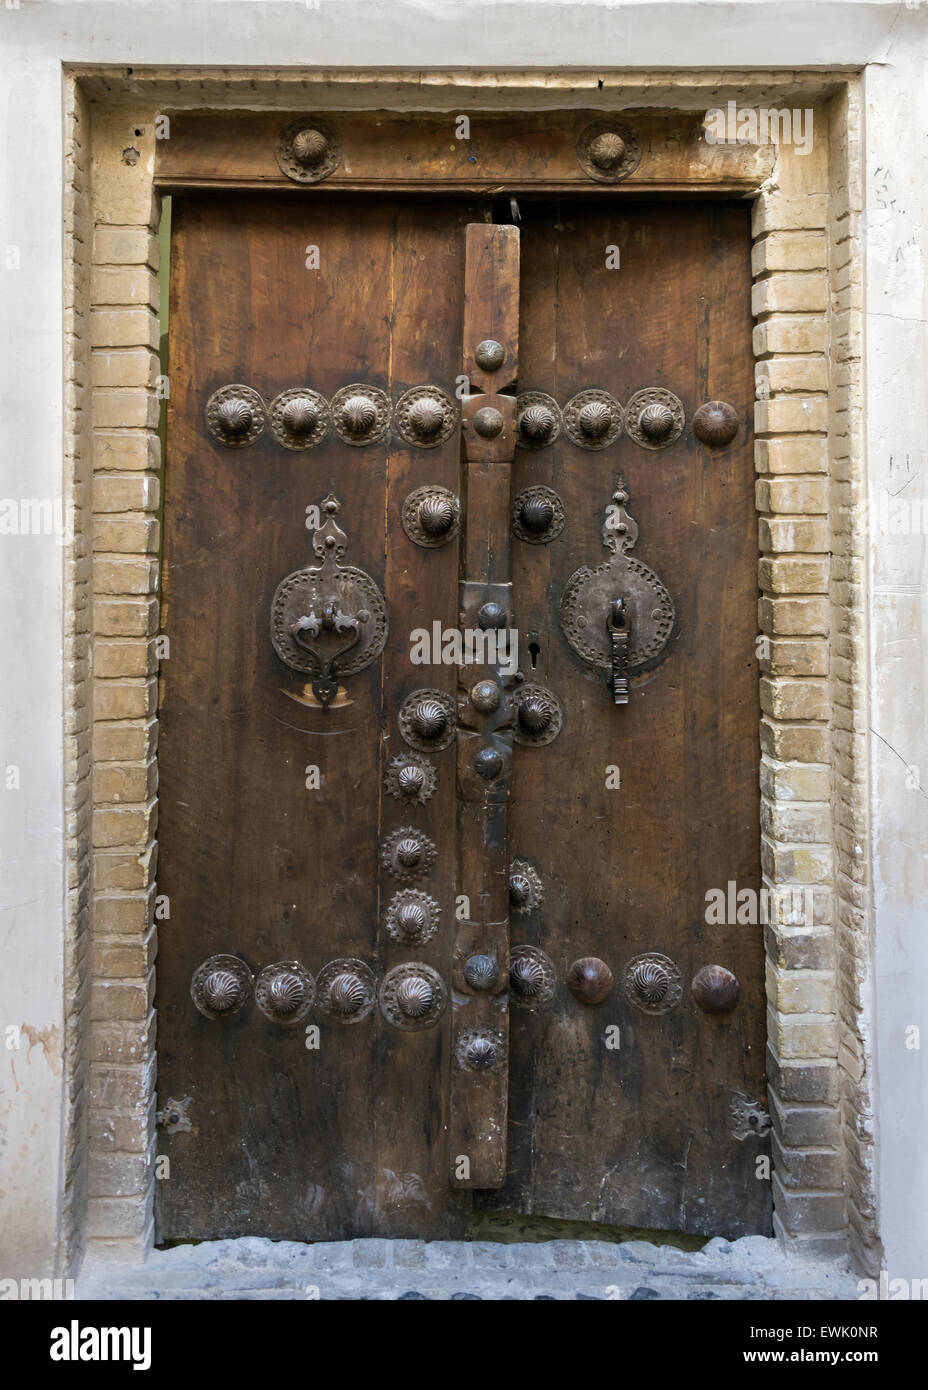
(325, 686)
(617, 624)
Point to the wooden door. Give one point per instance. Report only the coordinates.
(351, 797)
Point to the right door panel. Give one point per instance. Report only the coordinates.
(640, 1111)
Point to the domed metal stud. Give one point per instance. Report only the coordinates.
(656, 421)
(653, 983)
(413, 996)
(715, 424)
(608, 151)
(485, 696)
(479, 1049)
(593, 419)
(715, 989)
(488, 422)
(492, 615)
(360, 414)
(310, 147)
(481, 972)
(590, 980)
(539, 420)
(532, 978)
(431, 516)
(285, 992)
(538, 515)
(221, 986)
(425, 416)
(427, 720)
(538, 715)
(525, 888)
(308, 150)
(407, 853)
(654, 417)
(345, 990)
(489, 355)
(410, 777)
(488, 764)
(235, 415)
(412, 917)
(299, 418)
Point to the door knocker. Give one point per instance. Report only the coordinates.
(618, 616)
(329, 620)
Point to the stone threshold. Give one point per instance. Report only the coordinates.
(753, 1268)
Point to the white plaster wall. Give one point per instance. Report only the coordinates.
(36, 37)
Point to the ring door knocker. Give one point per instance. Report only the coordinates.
(329, 620)
(618, 616)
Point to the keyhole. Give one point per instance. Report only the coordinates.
(534, 651)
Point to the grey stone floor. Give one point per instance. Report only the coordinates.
(751, 1268)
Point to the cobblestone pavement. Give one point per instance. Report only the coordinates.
(250, 1268)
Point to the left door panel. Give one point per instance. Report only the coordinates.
(274, 811)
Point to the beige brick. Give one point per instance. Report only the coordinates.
(124, 825)
(132, 287)
(809, 864)
(807, 1168)
(111, 659)
(126, 699)
(794, 534)
(792, 495)
(802, 1035)
(125, 742)
(794, 742)
(118, 1175)
(117, 493)
(111, 1132)
(125, 246)
(132, 409)
(790, 293)
(122, 1043)
(800, 948)
(791, 333)
(801, 991)
(785, 698)
(775, 212)
(789, 251)
(808, 1211)
(125, 575)
(807, 823)
(123, 1088)
(124, 367)
(124, 782)
(124, 328)
(125, 617)
(125, 451)
(784, 374)
(127, 535)
(791, 415)
(115, 1216)
(124, 870)
(794, 617)
(796, 657)
(795, 575)
(124, 959)
(794, 781)
(117, 1001)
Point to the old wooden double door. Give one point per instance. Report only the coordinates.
(458, 727)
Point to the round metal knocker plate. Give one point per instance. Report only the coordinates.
(285, 992)
(585, 607)
(425, 417)
(303, 592)
(532, 977)
(235, 415)
(413, 996)
(654, 404)
(593, 419)
(221, 986)
(431, 516)
(345, 990)
(360, 414)
(288, 146)
(289, 403)
(590, 152)
(653, 983)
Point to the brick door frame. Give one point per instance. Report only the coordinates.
(813, 695)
